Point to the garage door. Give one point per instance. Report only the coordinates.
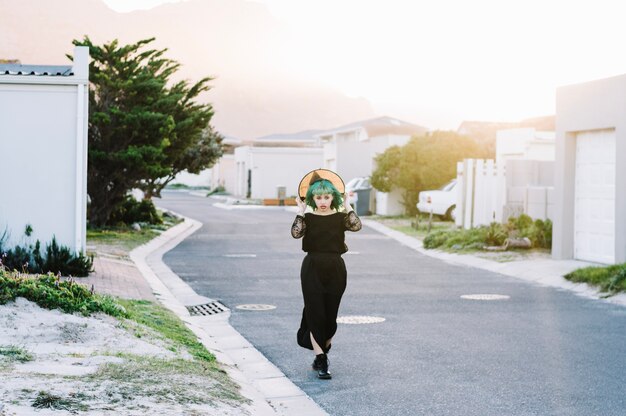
(594, 207)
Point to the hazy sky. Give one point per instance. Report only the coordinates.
(441, 62)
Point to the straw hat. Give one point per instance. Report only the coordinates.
(317, 175)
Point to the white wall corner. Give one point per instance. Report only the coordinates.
(81, 62)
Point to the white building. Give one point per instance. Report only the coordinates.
(525, 143)
(590, 219)
(43, 151)
(350, 151)
(222, 173)
(260, 171)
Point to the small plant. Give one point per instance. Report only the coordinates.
(45, 400)
(218, 190)
(495, 234)
(58, 259)
(15, 353)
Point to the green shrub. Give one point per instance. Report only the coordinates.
(539, 232)
(436, 239)
(495, 234)
(611, 279)
(520, 223)
(15, 353)
(57, 259)
(218, 190)
(132, 211)
(49, 291)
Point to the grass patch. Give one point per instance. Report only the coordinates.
(609, 279)
(168, 325)
(13, 353)
(71, 403)
(176, 381)
(50, 292)
(407, 224)
(124, 237)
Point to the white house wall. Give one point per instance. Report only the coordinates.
(224, 173)
(38, 131)
(524, 143)
(272, 167)
(590, 107)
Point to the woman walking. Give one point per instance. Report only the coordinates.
(323, 272)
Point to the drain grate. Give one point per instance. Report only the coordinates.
(212, 308)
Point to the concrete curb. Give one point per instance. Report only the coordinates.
(270, 391)
(542, 272)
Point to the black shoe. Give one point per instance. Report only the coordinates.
(317, 363)
(321, 366)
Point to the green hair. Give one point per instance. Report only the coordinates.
(322, 187)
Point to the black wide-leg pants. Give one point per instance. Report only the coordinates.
(323, 280)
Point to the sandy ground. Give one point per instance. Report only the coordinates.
(101, 366)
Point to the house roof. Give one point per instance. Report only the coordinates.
(36, 70)
(302, 138)
(380, 126)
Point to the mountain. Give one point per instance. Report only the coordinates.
(237, 42)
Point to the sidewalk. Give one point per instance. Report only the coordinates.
(545, 272)
(147, 277)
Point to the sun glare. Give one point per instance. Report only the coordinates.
(482, 59)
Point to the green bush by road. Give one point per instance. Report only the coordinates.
(610, 279)
(539, 232)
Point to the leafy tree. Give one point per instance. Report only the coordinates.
(425, 162)
(142, 131)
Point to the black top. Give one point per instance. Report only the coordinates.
(325, 233)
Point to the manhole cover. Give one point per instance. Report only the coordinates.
(207, 309)
(485, 296)
(359, 319)
(256, 307)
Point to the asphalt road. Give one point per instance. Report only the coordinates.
(541, 352)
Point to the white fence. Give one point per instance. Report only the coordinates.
(481, 191)
(485, 194)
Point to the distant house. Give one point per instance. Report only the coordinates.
(590, 220)
(305, 138)
(219, 175)
(525, 143)
(275, 162)
(43, 151)
(350, 150)
(485, 132)
(223, 172)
